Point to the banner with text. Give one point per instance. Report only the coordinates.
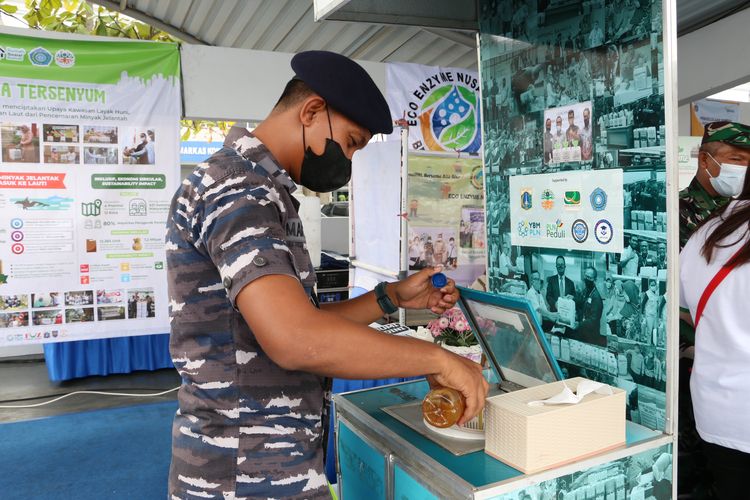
(89, 159)
(441, 106)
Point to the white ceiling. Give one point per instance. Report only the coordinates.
(288, 26)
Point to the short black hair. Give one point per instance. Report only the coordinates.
(295, 92)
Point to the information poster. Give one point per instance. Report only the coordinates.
(575, 158)
(573, 210)
(446, 215)
(89, 158)
(440, 105)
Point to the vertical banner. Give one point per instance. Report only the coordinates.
(446, 215)
(575, 160)
(440, 105)
(89, 158)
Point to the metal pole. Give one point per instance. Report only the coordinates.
(404, 210)
(669, 37)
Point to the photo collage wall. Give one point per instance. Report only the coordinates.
(569, 87)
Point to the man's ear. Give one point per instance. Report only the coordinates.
(311, 106)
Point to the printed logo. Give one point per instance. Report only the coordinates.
(137, 208)
(85, 280)
(16, 223)
(548, 199)
(125, 278)
(16, 236)
(556, 230)
(91, 209)
(2, 53)
(526, 229)
(526, 202)
(40, 57)
(17, 248)
(65, 58)
(13, 54)
(158, 265)
(477, 177)
(603, 231)
(84, 268)
(598, 199)
(580, 230)
(446, 110)
(572, 199)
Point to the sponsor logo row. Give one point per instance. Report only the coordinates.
(579, 230)
(39, 56)
(571, 199)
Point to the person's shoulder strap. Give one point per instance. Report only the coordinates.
(712, 285)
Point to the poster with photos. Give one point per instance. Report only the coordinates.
(550, 71)
(446, 188)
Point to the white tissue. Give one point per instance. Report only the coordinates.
(568, 397)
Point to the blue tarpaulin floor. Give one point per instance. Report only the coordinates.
(120, 453)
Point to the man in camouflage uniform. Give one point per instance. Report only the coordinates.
(253, 350)
(723, 143)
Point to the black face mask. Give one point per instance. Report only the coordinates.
(327, 172)
(589, 284)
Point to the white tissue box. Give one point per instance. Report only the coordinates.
(535, 438)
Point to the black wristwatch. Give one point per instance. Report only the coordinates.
(385, 303)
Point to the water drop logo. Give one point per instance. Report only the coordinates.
(450, 119)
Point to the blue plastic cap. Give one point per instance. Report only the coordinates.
(439, 280)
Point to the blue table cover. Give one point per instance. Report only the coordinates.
(82, 358)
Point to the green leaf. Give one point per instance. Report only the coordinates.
(436, 96)
(9, 9)
(459, 135)
(468, 95)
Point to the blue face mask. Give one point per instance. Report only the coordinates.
(327, 172)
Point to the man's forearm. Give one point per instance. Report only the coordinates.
(363, 309)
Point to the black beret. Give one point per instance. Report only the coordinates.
(346, 87)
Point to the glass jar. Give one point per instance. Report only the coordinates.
(442, 407)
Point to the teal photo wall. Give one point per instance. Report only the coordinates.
(574, 148)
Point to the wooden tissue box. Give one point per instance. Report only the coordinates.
(536, 438)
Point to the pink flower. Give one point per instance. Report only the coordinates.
(461, 326)
(444, 322)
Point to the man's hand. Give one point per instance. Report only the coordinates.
(466, 377)
(417, 292)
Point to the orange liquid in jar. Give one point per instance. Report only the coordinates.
(443, 407)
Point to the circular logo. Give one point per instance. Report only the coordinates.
(16, 223)
(449, 119)
(65, 58)
(477, 177)
(580, 230)
(603, 231)
(598, 199)
(16, 236)
(17, 248)
(40, 57)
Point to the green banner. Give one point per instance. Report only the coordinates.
(82, 61)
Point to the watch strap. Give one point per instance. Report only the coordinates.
(385, 303)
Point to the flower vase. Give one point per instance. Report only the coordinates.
(474, 352)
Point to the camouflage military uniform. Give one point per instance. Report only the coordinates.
(695, 207)
(245, 426)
